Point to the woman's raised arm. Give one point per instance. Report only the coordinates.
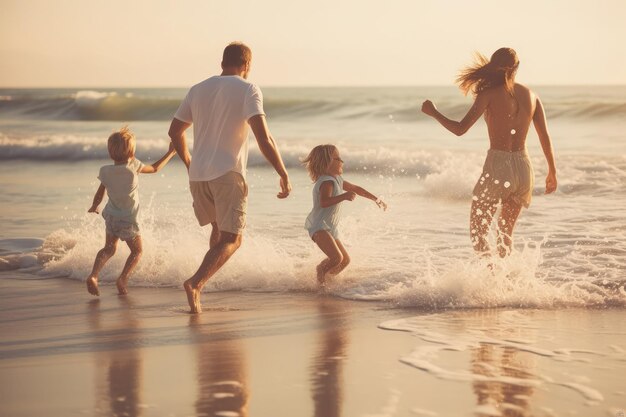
(458, 128)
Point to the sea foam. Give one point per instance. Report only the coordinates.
(415, 275)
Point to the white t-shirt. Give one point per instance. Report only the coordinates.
(121, 183)
(219, 108)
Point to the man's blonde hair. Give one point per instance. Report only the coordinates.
(318, 160)
(121, 144)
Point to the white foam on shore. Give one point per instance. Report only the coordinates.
(589, 393)
(473, 341)
(422, 412)
(174, 247)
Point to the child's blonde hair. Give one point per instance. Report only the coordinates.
(318, 160)
(121, 144)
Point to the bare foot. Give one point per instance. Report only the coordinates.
(323, 289)
(92, 286)
(121, 287)
(193, 297)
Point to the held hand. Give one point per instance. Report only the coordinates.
(93, 209)
(285, 187)
(349, 196)
(380, 203)
(551, 183)
(428, 107)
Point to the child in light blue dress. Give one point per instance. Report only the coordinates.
(325, 168)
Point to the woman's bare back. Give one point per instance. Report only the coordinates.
(508, 117)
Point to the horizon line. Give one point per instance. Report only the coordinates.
(299, 86)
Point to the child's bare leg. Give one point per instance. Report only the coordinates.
(506, 223)
(135, 247)
(344, 262)
(481, 216)
(328, 245)
(101, 258)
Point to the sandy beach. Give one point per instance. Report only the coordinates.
(297, 354)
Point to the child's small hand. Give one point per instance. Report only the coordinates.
(93, 209)
(350, 195)
(380, 203)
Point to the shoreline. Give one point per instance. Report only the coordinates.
(256, 354)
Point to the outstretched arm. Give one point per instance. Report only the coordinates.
(177, 134)
(326, 195)
(458, 128)
(268, 148)
(150, 169)
(97, 199)
(539, 121)
(364, 193)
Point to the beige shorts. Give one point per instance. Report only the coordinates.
(223, 200)
(121, 228)
(506, 176)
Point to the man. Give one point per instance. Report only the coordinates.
(220, 109)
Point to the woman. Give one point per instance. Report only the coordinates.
(507, 177)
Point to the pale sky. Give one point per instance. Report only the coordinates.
(158, 43)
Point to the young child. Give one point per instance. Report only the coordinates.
(325, 168)
(120, 214)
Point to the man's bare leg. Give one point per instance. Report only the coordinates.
(135, 247)
(101, 258)
(328, 245)
(214, 259)
(506, 224)
(215, 235)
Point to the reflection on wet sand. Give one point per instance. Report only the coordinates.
(118, 361)
(492, 361)
(222, 376)
(326, 368)
(496, 361)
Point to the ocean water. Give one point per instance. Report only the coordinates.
(570, 247)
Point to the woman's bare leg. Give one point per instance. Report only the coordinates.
(506, 223)
(481, 216)
(101, 258)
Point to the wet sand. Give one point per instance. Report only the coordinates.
(65, 353)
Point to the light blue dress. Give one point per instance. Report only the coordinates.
(321, 218)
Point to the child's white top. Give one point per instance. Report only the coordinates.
(326, 218)
(121, 182)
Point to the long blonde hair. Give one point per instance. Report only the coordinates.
(318, 160)
(484, 73)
